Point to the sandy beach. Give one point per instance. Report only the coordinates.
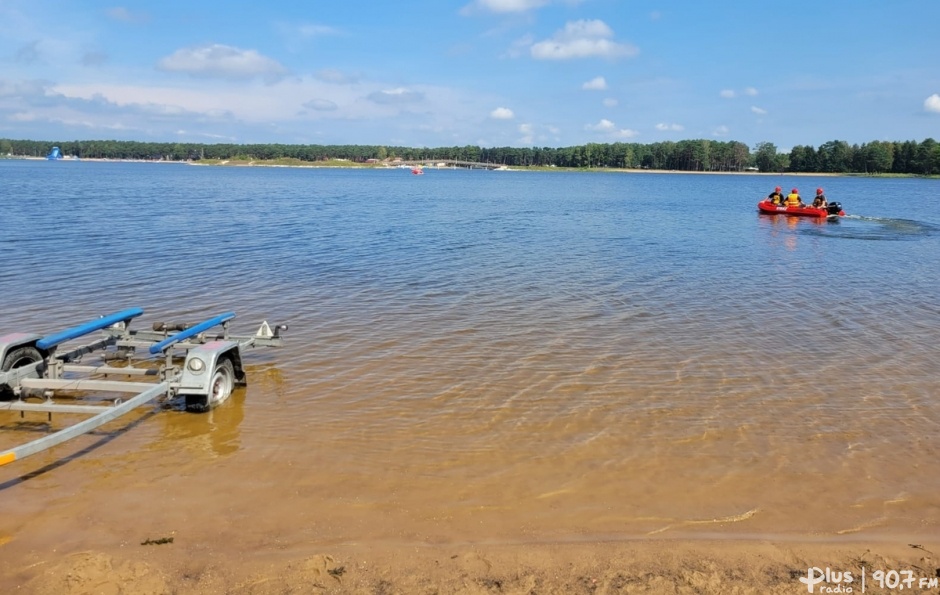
(642, 566)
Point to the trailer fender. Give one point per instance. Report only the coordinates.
(15, 340)
(19, 358)
(210, 373)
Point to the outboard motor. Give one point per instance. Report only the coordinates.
(834, 208)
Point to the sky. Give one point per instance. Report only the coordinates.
(490, 73)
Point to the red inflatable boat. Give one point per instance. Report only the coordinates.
(833, 210)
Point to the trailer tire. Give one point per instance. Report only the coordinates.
(220, 388)
(22, 356)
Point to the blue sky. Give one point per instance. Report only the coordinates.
(473, 72)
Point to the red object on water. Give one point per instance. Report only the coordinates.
(766, 206)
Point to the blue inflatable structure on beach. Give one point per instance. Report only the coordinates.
(54, 154)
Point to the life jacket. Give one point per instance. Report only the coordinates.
(793, 200)
(776, 198)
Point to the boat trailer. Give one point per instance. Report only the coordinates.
(171, 361)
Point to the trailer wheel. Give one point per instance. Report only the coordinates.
(223, 381)
(220, 388)
(22, 356)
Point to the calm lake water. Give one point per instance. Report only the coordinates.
(479, 356)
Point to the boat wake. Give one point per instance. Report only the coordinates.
(860, 227)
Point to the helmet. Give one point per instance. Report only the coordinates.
(777, 189)
(819, 191)
(795, 191)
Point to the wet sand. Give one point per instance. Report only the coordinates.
(644, 566)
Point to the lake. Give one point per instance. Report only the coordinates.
(490, 356)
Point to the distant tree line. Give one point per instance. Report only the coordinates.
(908, 157)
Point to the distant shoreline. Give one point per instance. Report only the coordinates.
(352, 165)
(339, 164)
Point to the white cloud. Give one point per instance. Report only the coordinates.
(670, 127)
(932, 103)
(750, 91)
(502, 113)
(222, 61)
(604, 125)
(758, 111)
(721, 131)
(608, 128)
(395, 96)
(610, 102)
(582, 39)
(727, 93)
(595, 84)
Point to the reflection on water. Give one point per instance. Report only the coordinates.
(790, 225)
(492, 356)
(215, 433)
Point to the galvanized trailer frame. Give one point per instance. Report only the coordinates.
(32, 368)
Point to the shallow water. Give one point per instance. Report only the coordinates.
(490, 356)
